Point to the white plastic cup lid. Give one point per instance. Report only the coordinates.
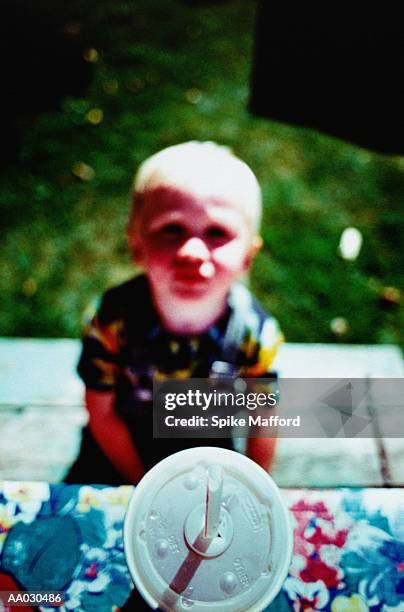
(206, 529)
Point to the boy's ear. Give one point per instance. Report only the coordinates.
(256, 246)
(135, 246)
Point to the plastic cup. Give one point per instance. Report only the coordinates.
(206, 529)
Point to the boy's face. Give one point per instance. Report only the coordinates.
(192, 249)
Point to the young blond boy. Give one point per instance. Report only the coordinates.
(194, 229)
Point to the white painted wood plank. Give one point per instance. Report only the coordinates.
(39, 443)
(339, 361)
(315, 462)
(39, 371)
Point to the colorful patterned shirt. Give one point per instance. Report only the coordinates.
(125, 347)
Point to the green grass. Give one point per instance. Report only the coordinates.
(168, 72)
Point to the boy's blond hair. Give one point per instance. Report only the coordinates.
(205, 169)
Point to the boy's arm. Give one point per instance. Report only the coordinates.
(261, 450)
(112, 435)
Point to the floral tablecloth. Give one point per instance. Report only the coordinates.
(348, 547)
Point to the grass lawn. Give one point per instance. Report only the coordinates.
(165, 72)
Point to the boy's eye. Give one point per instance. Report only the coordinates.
(217, 233)
(172, 230)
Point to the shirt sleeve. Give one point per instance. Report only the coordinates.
(264, 346)
(99, 362)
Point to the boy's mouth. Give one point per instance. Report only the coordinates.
(199, 274)
(190, 278)
(191, 283)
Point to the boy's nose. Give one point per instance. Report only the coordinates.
(194, 248)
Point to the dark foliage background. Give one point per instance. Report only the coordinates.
(92, 88)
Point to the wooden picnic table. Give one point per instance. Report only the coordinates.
(41, 414)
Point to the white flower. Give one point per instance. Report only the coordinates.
(27, 497)
(314, 592)
(89, 498)
(330, 554)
